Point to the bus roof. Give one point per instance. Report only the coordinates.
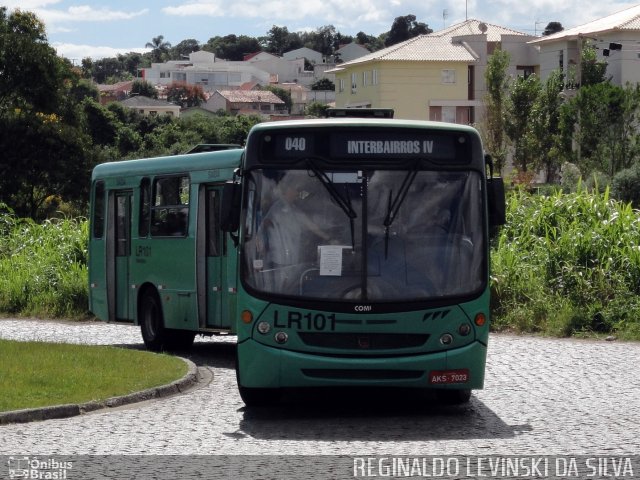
(221, 159)
(363, 122)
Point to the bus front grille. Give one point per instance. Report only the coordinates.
(361, 374)
(363, 341)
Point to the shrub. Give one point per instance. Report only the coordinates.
(43, 267)
(626, 185)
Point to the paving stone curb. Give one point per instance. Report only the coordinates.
(71, 410)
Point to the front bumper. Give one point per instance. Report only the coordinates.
(262, 366)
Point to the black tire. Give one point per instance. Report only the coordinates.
(152, 322)
(453, 397)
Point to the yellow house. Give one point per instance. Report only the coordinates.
(439, 76)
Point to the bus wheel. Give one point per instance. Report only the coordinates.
(453, 397)
(151, 322)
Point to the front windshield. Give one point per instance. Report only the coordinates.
(364, 235)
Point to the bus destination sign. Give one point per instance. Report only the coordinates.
(449, 147)
(396, 145)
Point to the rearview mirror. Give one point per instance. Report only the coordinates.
(496, 202)
(230, 208)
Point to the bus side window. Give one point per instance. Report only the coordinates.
(98, 210)
(170, 207)
(145, 208)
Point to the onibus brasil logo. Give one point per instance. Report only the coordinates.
(36, 468)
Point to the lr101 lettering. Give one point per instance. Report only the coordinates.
(307, 321)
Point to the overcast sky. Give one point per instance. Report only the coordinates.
(79, 29)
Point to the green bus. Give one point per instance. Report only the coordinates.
(340, 252)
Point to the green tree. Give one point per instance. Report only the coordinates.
(107, 70)
(30, 71)
(232, 47)
(323, 84)
(282, 94)
(278, 40)
(159, 48)
(184, 48)
(593, 71)
(370, 42)
(101, 123)
(404, 28)
(497, 83)
(551, 28)
(144, 88)
(316, 109)
(185, 95)
(601, 121)
(519, 109)
(42, 144)
(546, 148)
(322, 40)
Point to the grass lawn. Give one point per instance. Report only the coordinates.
(36, 374)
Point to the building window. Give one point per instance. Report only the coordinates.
(448, 76)
(341, 85)
(374, 77)
(354, 82)
(525, 71)
(449, 114)
(365, 78)
(561, 60)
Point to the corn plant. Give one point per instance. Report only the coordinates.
(567, 263)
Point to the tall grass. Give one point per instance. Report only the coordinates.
(43, 266)
(566, 264)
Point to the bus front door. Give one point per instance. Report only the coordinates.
(118, 255)
(210, 256)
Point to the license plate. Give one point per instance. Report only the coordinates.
(445, 377)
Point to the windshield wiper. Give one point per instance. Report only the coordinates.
(394, 204)
(343, 203)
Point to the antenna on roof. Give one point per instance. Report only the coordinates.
(445, 14)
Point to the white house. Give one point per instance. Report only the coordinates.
(351, 51)
(151, 106)
(257, 102)
(616, 37)
(313, 56)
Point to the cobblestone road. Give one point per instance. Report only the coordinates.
(541, 397)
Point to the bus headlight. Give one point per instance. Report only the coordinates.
(464, 329)
(446, 339)
(281, 337)
(264, 327)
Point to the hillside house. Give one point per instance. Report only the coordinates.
(616, 38)
(151, 106)
(439, 76)
(248, 102)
